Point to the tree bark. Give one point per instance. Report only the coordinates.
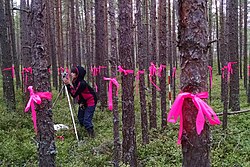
(129, 154)
(8, 83)
(45, 135)
(193, 41)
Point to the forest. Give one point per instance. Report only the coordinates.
(171, 79)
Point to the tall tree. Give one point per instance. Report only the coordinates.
(128, 114)
(100, 49)
(113, 61)
(193, 41)
(73, 33)
(142, 48)
(45, 135)
(245, 44)
(153, 53)
(162, 57)
(8, 83)
(233, 54)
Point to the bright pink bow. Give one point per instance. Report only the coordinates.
(126, 72)
(137, 78)
(203, 110)
(12, 68)
(210, 75)
(174, 72)
(110, 97)
(161, 69)
(152, 72)
(36, 97)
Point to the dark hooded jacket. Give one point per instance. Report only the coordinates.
(81, 89)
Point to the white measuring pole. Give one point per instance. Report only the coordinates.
(72, 116)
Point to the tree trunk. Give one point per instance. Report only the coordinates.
(153, 52)
(113, 61)
(233, 54)
(162, 57)
(101, 50)
(193, 41)
(129, 154)
(45, 136)
(8, 83)
(217, 37)
(245, 45)
(142, 55)
(73, 33)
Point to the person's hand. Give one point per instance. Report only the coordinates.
(66, 81)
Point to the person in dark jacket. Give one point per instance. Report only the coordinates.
(85, 96)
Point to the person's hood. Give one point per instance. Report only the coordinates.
(81, 72)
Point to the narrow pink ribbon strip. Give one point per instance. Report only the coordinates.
(37, 98)
(12, 68)
(126, 72)
(96, 88)
(60, 70)
(110, 97)
(210, 75)
(26, 71)
(248, 70)
(137, 78)
(161, 69)
(94, 71)
(174, 72)
(152, 72)
(203, 110)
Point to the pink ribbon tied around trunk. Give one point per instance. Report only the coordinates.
(137, 78)
(110, 97)
(210, 75)
(26, 71)
(60, 70)
(126, 72)
(174, 72)
(12, 68)
(94, 71)
(203, 110)
(152, 72)
(248, 70)
(161, 69)
(37, 98)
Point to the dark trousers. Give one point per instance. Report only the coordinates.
(85, 116)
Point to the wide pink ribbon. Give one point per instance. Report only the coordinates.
(229, 67)
(12, 68)
(210, 75)
(37, 98)
(161, 69)
(110, 97)
(126, 72)
(174, 72)
(137, 78)
(203, 110)
(152, 72)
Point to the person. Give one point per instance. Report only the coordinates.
(85, 96)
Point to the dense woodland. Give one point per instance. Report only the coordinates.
(143, 55)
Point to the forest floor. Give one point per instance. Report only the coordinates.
(18, 148)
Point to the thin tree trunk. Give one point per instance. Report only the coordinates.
(245, 45)
(193, 41)
(217, 37)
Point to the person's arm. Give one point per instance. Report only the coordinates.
(76, 91)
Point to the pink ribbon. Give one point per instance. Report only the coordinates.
(174, 72)
(203, 110)
(12, 68)
(60, 70)
(36, 97)
(137, 78)
(229, 67)
(160, 69)
(152, 72)
(210, 75)
(26, 71)
(110, 97)
(96, 88)
(94, 71)
(126, 72)
(248, 70)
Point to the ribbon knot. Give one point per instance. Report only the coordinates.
(110, 97)
(126, 72)
(161, 69)
(152, 72)
(203, 110)
(37, 98)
